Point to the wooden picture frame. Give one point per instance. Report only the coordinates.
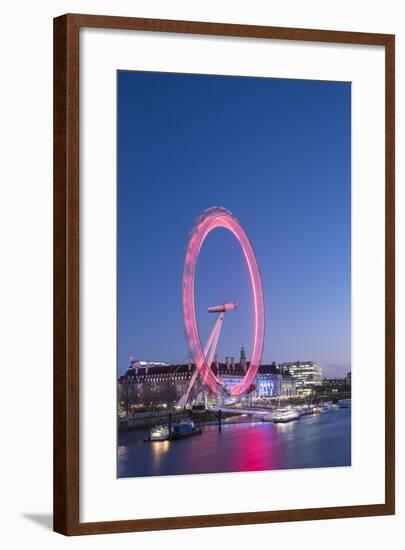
(67, 284)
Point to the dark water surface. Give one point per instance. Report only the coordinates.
(311, 442)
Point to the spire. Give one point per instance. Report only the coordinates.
(243, 358)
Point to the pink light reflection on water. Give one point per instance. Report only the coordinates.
(258, 452)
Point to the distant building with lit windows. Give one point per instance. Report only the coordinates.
(270, 383)
(147, 383)
(307, 375)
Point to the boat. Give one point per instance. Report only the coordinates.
(159, 433)
(181, 430)
(305, 410)
(268, 417)
(285, 415)
(185, 428)
(320, 409)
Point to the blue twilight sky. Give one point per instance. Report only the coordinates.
(276, 153)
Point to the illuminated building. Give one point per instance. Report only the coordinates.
(307, 375)
(159, 384)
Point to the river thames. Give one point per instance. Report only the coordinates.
(313, 441)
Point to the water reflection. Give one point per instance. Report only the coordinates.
(311, 442)
(122, 450)
(158, 449)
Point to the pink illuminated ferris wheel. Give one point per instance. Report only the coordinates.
(211, 219)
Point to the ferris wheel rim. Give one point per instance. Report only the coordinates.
(211, 219)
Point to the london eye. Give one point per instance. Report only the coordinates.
(211, 219)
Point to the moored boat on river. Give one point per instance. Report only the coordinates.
(320, 409)
(305, 410)
(159, 433)
(184, 429)
(285, 415)
(181, 430)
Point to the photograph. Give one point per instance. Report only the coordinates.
(233, 274)
(201, 223)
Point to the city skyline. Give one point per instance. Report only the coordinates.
(341, 372)
(274, 152)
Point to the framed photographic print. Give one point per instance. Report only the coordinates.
(223, 274)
